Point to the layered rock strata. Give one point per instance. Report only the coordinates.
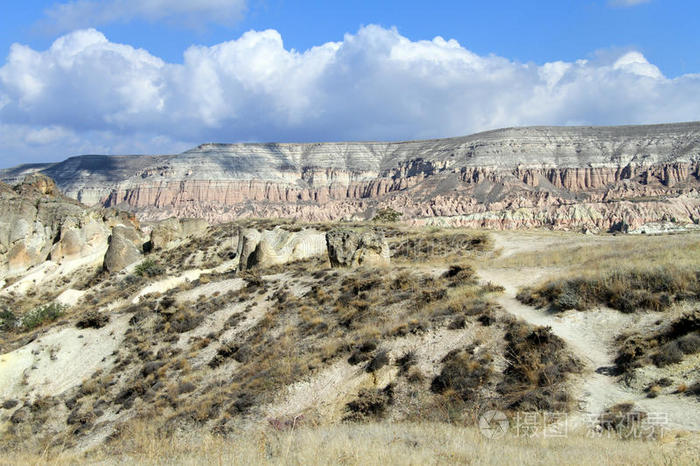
(558, 177)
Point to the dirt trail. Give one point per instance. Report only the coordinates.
(590, 335)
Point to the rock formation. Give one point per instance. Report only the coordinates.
(556, 177)
(125, 248)
(348, 248)
(278, 246)
(39, 223)
(166, 233)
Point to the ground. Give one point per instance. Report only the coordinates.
(302, 363)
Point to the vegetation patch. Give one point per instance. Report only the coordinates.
(437, 246)
(538, 367)
(370, 404)
(42, 315)
(387, 215)
(149, 268)
(93, 319)
(625, 290)
(662, 348)
(464, 373)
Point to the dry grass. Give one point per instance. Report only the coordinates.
(368, 444)
(604, 253)
(627, 289)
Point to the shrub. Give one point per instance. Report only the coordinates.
(689, 344)
(621, 418)
(463, 373)
(624, 290)
(370, 404)
(380, 360)
(537, 367)
(693, 390)
(42, 315)
(387, 215)
(8, 320)
(93, 319)
(149, 268)
(406, 361)
(668, 354)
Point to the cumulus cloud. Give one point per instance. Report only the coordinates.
(87, 94)
(85, 13)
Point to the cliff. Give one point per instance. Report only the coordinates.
(560, 177)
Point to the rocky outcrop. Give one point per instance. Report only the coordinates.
(125, 248)
(349, 248)
(538, 168)
(278, 246)
(166, 233)
(39, 223)
(33, 216)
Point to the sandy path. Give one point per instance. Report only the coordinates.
(590, 335)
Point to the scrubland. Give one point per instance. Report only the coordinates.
(304, 364)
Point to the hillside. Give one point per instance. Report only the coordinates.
(279, 330)
(566, 178)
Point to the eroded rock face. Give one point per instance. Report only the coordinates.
(169, 231)
(516, 177)
(125, 248)
(348, 248)
(38, 223)
(278, 246)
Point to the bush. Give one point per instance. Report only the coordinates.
(668, 354)
(689, 344)
(93, 319)
(537, 369)
(370, 404)
(621, 418)
(387, 215)
(8, 320)
(680, 337)
(625, 290)
(149, 268)
(42, 315)
(463, 373)
(380, 360)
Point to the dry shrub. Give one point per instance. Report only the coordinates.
(464, 373)
(370, 404)
(662, 348)
(625, 290)
(538, 366)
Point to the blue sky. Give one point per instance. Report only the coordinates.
(157, 76)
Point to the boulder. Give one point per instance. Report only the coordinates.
(278, 246)
(125, 248)
(248, 240)
(166, 233)
(37, 184)
(81, 237)
(348, 248)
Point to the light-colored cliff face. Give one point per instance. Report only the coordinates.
(613, 174)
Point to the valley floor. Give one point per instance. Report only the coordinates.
(283, 315)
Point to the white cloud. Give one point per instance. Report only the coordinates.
(89, 13)
(626, 3)
(87, 94)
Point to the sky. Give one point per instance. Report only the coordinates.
(162, 76)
